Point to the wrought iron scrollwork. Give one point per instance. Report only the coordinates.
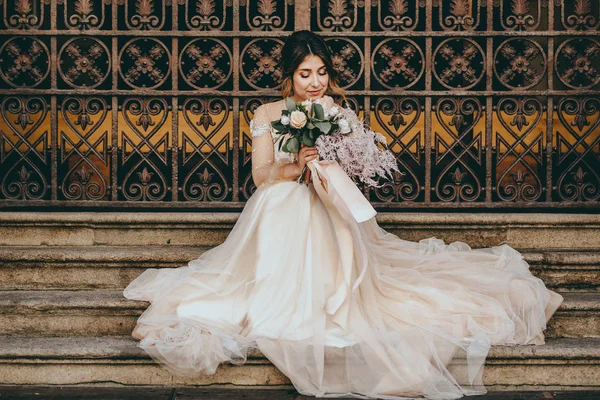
(485, 103)
(84, 148)
(204, 164)
(145, 148)
(404, 114)
(458, 150)
(24, 148)
(520, 152)
(578, 150)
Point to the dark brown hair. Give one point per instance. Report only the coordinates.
(299, 45)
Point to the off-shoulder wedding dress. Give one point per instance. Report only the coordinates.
(342, 308)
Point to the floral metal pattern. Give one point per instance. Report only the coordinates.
(84, 62)
(397, 15)
(260, 62)
(398, 63)
(84, 14)
(148, 61)
(519, 15)
(336, 15)
(580, 14)
(346, 57)
(24, 62)
(23, 14)
(459, 15)
(205, 63)
(144, 14)
(577, 63)
(485, 103)
(523, 63)
(267, 15)
(459, 63)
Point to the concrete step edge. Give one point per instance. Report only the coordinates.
(172, 219)
(183, 254)
(125, 348)
(58, 301)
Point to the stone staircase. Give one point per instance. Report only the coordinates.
(63, 320)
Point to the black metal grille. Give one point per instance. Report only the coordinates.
(146, 103)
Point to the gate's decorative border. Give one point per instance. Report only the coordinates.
(146, 104)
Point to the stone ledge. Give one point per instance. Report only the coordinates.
(12, 301)
(115, 255)
(535, 230)
(105, 312)
(564, 363)
(168, 219)
(113, 267)
(124, 348)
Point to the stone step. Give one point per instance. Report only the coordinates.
(564, 363)
(105, 312)
(531, 230)
(113, 267)
(96, 392)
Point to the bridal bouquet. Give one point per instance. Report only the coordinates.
(339, 136)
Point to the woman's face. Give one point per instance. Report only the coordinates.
(310, 79)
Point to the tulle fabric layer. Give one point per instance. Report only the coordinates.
(408, 319)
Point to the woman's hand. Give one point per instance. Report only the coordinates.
(307, 154)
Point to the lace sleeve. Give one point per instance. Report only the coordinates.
(264, 167)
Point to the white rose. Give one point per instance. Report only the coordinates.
(333, 111)
(285, 119)
(297, 119)
(307, 103)
(344, 126)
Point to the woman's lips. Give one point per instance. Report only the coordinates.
(315, 92)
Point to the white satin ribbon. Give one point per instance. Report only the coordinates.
(345, 202)
(342, 190)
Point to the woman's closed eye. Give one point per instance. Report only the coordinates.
(308, 76)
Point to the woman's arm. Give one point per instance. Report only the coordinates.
(264, 168)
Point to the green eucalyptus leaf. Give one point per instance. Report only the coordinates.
(307, 140)
(279, 126)
(319, 112)
(323, 126)
(290, 104)
(293, 145)
(309, 125)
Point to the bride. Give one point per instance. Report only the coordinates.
(342, 308)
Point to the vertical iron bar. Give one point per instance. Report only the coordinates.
(489, 107)
(114, 106)
(550, 102)
(428, 99)
(236, 147)
(174, 105)
(53, 104)
(302, 14)
(54, 147)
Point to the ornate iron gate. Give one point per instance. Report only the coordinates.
(146, 103)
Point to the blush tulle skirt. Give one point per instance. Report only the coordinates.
(343, 309)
